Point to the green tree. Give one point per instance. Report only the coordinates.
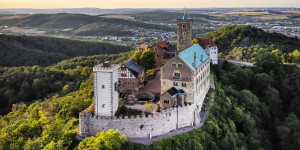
(105, 140)
(149, 106)
(148, 59)
(289, 133)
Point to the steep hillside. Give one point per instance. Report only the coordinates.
(26, 83)
(29, 50)
(244, 36)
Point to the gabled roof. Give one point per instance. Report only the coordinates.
(133, 67)
(187, 56)
(166, 46)
(174, 92)
(203, 41)
(163, 44)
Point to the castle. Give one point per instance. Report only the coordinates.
(185, 81)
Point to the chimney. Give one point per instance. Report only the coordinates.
(195, 60)
(207, 49)
(201, 58)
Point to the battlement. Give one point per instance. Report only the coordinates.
(165, 112)
(101, 68)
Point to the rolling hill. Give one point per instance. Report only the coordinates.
(78, 24)
(169, 16)
(43, 51)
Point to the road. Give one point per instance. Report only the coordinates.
(240, 63)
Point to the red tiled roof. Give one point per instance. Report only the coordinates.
(163, 44)
(203, 41)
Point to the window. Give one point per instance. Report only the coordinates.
(103, 105)
(130, 75)
(215, 52)
(173, 64)
(176, 75)
(175, 84)
(166, 101)
(157, 55)
(183, 84)
(123, 75)
(183, 33)
(180, 65)
(103, 86)
(123, 68)
(133, 82)
(184, 26)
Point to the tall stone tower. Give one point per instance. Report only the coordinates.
(106, 89)
(184, 33)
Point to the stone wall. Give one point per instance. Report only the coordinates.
(140, 126)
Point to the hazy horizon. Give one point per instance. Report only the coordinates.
(116, 4)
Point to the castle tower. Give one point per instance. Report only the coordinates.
(106, 89)
(184, 32)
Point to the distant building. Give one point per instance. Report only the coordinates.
(142, 47)
(131, 76)
(164, 52)
(210, 48)
(106, 90)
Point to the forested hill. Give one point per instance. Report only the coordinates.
(43, 51)
(227, 38)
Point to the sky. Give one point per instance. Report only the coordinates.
(146, 3)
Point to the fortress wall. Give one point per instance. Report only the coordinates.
(140, 126)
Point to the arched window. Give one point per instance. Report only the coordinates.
(183, 33)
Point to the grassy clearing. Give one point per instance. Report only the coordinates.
(270, 17)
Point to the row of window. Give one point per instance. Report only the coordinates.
(178, 65)
(166, 101)
(176, 84)
(125, 75)
(202, 86)
(127, 82)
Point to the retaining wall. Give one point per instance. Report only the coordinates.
(140, 126)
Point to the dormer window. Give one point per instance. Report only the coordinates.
(184, 26)
(173, 64)
(180, 65)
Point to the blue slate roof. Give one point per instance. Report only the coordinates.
(188, 56)
(173, 92)
(133, 67)
(170, 48)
